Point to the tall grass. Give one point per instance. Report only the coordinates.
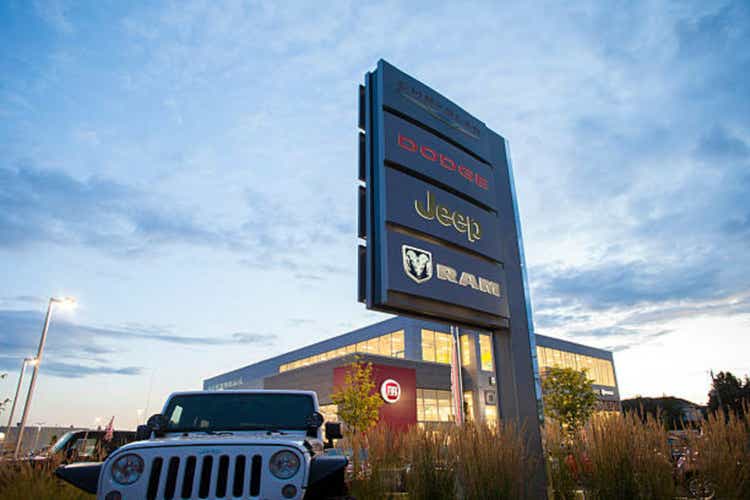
(722, 454)
(22, 481)
(622, 457)
(472, 462)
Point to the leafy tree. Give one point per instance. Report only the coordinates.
(569, 397)
(358, 403)
(729, 393)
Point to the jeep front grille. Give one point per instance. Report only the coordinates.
(214, 476)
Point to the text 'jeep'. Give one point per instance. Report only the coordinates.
(222, 444)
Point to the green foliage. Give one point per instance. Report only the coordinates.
(669, 410)
(358, 403)
(569, 397)
(729, 393)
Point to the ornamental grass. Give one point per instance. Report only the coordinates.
(722, 454)
(23, 481)
(622, 457)
(444, 462)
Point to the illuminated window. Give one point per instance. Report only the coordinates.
(466, 347)
(599, 370)
(434, 406)
(391, 344)
(490, 415)
(330, 412)
(436, 346)
(469, 405)
(485, 349)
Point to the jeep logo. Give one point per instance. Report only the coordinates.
(449, 218)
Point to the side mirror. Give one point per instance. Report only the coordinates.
(314, 422)
(333, 431)
(142, 432)
(157, 423)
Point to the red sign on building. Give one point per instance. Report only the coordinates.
(398, 388)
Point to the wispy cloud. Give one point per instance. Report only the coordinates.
(95, 345)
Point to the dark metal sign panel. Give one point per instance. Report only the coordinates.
(418, 150)
(410, 97)
(423, 207)
(425, 269)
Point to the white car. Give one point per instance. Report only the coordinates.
(222, 444)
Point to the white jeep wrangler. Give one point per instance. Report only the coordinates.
(222, 444)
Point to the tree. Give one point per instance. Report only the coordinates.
(569, 397)
(728, 393)
(358, 403)
(5, 402)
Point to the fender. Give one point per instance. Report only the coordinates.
(327, 477)
(84, 475)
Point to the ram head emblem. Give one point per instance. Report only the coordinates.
(417, 263)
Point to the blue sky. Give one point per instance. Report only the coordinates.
(187, 171)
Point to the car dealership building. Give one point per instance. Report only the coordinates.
(411, 361)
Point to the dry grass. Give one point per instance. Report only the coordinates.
(22, 481)
(623, 458)
(722, 454)
(474, 462)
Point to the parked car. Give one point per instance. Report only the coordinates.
(84, 446)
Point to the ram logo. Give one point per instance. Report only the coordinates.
(417, 263)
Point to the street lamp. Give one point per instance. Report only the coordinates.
(65, 302)
(26, 361)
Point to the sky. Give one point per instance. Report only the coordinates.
(187, 170)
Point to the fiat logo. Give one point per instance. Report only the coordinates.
(390, 390)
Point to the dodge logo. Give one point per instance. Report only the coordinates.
(390, 390)
(417, 263)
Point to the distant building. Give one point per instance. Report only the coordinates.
(416, 355)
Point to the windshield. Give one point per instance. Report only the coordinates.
(227, 412)
(60, 444)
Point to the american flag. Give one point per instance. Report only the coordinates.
(458, 399)
(109, 432)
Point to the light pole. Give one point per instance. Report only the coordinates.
(26, 361)
(66, 301)
(38, 431)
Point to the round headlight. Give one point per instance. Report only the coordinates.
(127, 469)
(284, 464)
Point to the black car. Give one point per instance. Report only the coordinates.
(83, 446)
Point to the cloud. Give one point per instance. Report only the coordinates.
(42, 205)
(95, 345)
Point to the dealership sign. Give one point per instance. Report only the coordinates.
(429, 205)
(390, 391)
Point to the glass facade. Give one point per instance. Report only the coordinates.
(391, 345)
(467, 344)
(485, 350)
(436, 346)
(490, 415)
(598, 369)
(227, 384)
(330, 412)
(469, 406)
(434, 406)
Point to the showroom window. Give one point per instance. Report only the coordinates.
(436, 346)
(485, 350)
(434, 406)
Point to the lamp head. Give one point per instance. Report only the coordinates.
(65, 302)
